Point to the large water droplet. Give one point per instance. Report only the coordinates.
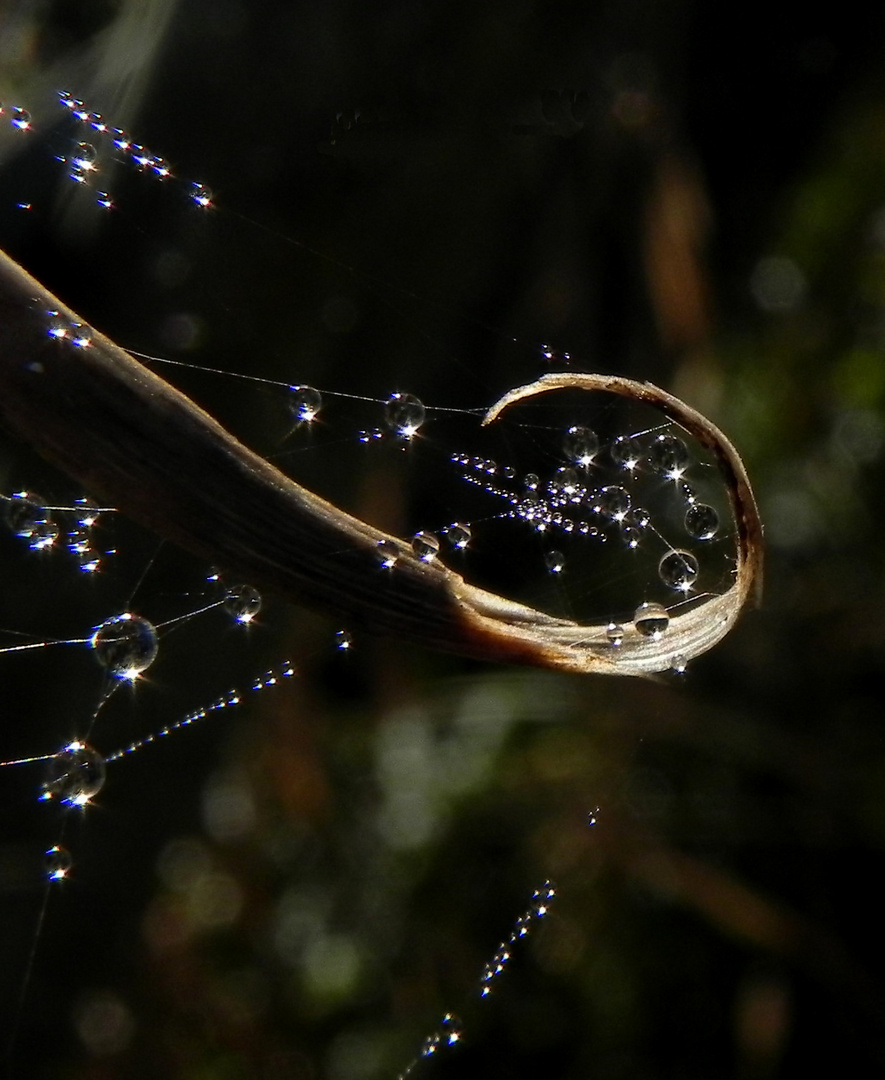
(126, 645)
(388, 553)
(404, 415)
(613, 502)
(57, 863)
(555, 562)
(651, 620)
(580, 445)
(678, 570)
(25, 514)
(614, 632)
(74, 775)
(458, 535)
(304, 403)
(701, 521)
(243, 602)
(669, 456)
(426, 546)
(626, 451)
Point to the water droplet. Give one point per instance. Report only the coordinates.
(458, 535)
(19, 118)
(679, 664)
(631, 537)
(201, 195)
(678, 570)
(613, 502)
(27, 517)
(701, 521)
(626, 452)
(531, 481)
(404, 415)
(57, 863)
(566, 482)
(580, 445)
(641, 517)
(304, 403)
(81, 335)
(343, 640)
(426, 546)
(555, 562)
(593, 816)
(669, 456)
(122, 141)
(126, 645)
(243, 602)
(388, 553)
(615, 634)
(452, 1029)
(74, 775)
(651, 620)
(84, 157)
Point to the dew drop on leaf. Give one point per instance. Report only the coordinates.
(651, 620)
(425, 546)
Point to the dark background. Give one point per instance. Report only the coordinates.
(416, 197)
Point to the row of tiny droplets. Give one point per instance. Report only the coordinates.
(450, 1031)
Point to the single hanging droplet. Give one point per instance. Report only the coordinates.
(669, 456)
(201, 195)
(531, 481)
(651, 620)
(701, 521)
(243, 602)
(343, 640)
(74, 775)
(388, 553)
(84, 157)
(404, 415)
(613, 502)
(426, 546)
(580, 445)
(679, 664)
(626, 452)
(57, 862)
(631, 537)
(20, 118)
(126, 645)
(458, 535)
(452, 1028)
(25, 513)
(304, 403)
(555, 562)
(615, 634)
(678, 570)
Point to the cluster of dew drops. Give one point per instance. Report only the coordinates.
(124, 645)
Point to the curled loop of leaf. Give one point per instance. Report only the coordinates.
(137, 443)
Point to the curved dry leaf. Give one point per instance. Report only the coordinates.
(141, 445)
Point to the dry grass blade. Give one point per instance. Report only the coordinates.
(135, 441)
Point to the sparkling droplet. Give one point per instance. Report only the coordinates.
(641, 517)
(651, 620)
(19, 118)
(613, 502)
(631, 537)
(701, 521)
(388, 553)
(201, 195)
(243, 602)
(343, 640)
(74, 775)
(555, 562)
(126, 645)
(580, 445)
(84, 157)
(80, 335)
(304, 403)
(404, 415)
(452, 1029)
(122, 141)
(27, 517)
(593, 816)
(458, 535)
(566, 482)
(57, 862)
(669, 456)
(531, 481)
(678, 570)
(615, 634)
(626, 452)
(679, 664)
(426, 546)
